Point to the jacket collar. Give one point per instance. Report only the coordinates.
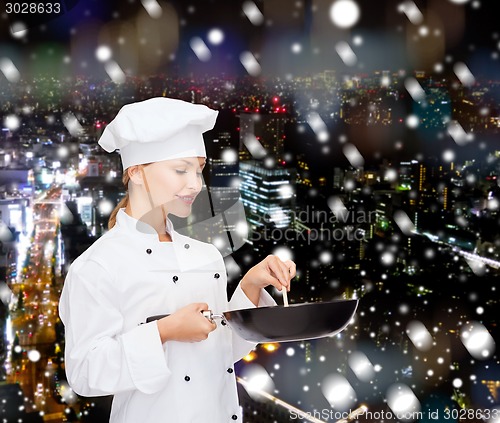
(187, 256)
(138, 227)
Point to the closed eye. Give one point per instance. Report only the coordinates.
(183, 172)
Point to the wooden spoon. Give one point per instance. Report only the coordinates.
(285, 296)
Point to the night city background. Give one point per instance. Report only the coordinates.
(364, 141)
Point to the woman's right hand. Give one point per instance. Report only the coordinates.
(186, 325)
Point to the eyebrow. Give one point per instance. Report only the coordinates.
(191, 164)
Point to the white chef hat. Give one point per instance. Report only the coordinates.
(158, 129)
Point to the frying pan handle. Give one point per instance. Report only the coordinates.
(206, 313)
(211, 316)
(157, 317)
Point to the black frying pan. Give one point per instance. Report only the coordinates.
(296, 322)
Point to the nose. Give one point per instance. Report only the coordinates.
(194, 182)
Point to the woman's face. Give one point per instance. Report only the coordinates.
(175, 183)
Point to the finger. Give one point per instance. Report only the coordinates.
(290, 271)
(210, 325)
(292, 268)
(289, 284)
(271, 280)
(201, 306)
(277, 280)
(275, 265)
(286, 272)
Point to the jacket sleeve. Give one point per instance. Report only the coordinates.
(239, 300)
(101, 359)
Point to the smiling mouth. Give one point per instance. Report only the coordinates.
(187, 199)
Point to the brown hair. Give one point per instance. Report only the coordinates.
(124, 201)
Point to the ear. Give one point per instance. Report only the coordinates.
(135, 174)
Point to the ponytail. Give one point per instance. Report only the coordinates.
(122, 203)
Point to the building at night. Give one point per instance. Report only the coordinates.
(267, 194)
(268, 129)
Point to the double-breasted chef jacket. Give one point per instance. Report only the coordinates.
(126, 276)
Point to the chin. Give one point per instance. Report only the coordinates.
(181, 214)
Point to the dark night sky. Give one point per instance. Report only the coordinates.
(469, 33)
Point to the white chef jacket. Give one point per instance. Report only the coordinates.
(126, 276)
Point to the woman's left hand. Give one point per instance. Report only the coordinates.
(270, 271)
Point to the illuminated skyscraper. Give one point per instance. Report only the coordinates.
(219, 212)
(267, 194)
(223, 170)
(224, 186)
(268, 129)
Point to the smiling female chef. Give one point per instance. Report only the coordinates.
(179, 368)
